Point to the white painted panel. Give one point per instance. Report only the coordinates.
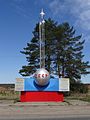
(19, 85)
(64, 84)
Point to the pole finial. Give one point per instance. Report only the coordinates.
(42, 14)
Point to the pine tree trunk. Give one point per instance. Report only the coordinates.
(49, 64)
(59, 71)
(63, 71)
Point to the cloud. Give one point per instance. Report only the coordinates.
(79, 9)
(55, 6)
(83, 20)
(20, 8)
(87, 39)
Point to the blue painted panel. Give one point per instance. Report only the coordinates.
(30, 85)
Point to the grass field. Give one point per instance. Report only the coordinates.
(12, 95)
(9, 95)
(83, 97)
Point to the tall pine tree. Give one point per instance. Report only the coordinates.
(32, 49)
(69, 55)
(63, 51)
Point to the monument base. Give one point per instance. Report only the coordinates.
(41, 96)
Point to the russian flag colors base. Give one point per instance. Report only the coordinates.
(41, 96)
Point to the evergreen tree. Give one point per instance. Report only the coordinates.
(32, 54)
(32, 49)
(69, 55)
(63, 52)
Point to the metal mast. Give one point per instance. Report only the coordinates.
(42, 39)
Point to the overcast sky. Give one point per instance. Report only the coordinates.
(18, 19)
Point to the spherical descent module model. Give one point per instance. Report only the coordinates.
(42, 77)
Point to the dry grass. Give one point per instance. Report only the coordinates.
(12, 95)
(9, 95)
(77, 96)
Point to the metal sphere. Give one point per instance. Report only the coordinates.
(42, 77)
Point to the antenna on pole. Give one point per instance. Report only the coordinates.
(42, 14)
(42, 39)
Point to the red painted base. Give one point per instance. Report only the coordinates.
(41, 96)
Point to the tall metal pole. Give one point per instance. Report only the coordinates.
(42, 39)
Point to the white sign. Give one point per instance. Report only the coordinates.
(64, 84)
(19, 85)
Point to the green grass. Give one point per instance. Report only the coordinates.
(9, 95)
(12, 95)
(86, 99)
(83, 97)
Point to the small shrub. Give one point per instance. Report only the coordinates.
(78, 88)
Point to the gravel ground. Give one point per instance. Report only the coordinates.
(70, 108)
(65, 103)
